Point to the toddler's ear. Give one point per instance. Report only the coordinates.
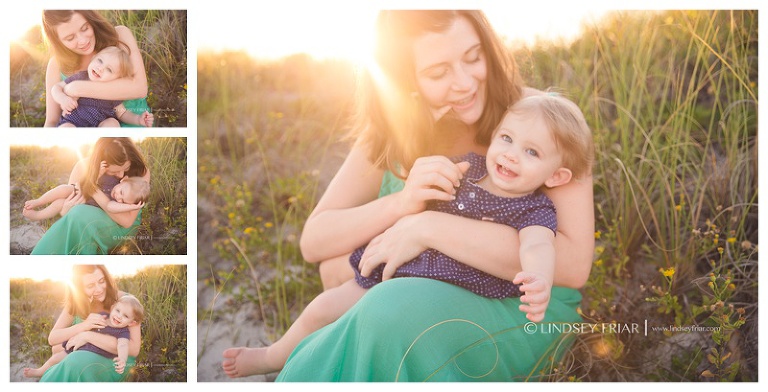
(561, 176)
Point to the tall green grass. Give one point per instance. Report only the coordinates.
(162, 291)
(672, 101)
(265, 131)
(162, 39)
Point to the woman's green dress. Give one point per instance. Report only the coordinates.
(137, 106)
(85, 366)
(84, 230)
(416, 329)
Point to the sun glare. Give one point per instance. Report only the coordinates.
(281, 29)
(58, 271)
(75, 141)
(324, 31)
(24, 18)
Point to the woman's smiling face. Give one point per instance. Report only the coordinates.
(95, 286)
(451, 70)
(77, 35)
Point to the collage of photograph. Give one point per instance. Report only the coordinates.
(381, 192)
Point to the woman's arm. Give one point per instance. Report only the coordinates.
(52, 108)
(107, 342)
(495, 248)
(78, 172)
(349, 214)
(63, 329)
(118, 89)
(124, 219)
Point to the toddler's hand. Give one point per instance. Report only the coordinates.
(119, 365)
(147, 119)
(537, 294)
(68, 105)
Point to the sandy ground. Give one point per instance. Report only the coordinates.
(228, 329)
(17, 375)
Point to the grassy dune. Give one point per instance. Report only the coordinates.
(672, 101)
(162, 290)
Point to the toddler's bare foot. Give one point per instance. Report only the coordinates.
(33, 215)
(36, 373)
(31, 204)
(247, 361)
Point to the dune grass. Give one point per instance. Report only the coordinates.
(672, 101)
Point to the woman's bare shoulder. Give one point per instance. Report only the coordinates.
(126, 35)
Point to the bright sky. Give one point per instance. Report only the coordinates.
(61, 268)
(343, 29)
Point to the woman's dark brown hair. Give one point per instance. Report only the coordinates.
(76, 302)
(104, 33)
(115, 151)
(398, 127)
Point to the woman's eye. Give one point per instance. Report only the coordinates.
(474, 56)
(437, 75)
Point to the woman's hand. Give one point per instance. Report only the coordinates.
(95, 320)
(102, 168)
(72, 200)
(431, 178)
(75, 342)
(394, 247)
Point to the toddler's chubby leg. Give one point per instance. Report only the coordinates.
(67, 125)
(323, 310)
(111, 122)
(55, 200)
(54, 359)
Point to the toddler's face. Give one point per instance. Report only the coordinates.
(522, 154)
(104, 67)
(121, 193)
(121, 315)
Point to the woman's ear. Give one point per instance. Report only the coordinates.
(561, 176)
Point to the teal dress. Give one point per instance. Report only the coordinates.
(138, 106)
(417, 329)
(84, 230)
(86, 366)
